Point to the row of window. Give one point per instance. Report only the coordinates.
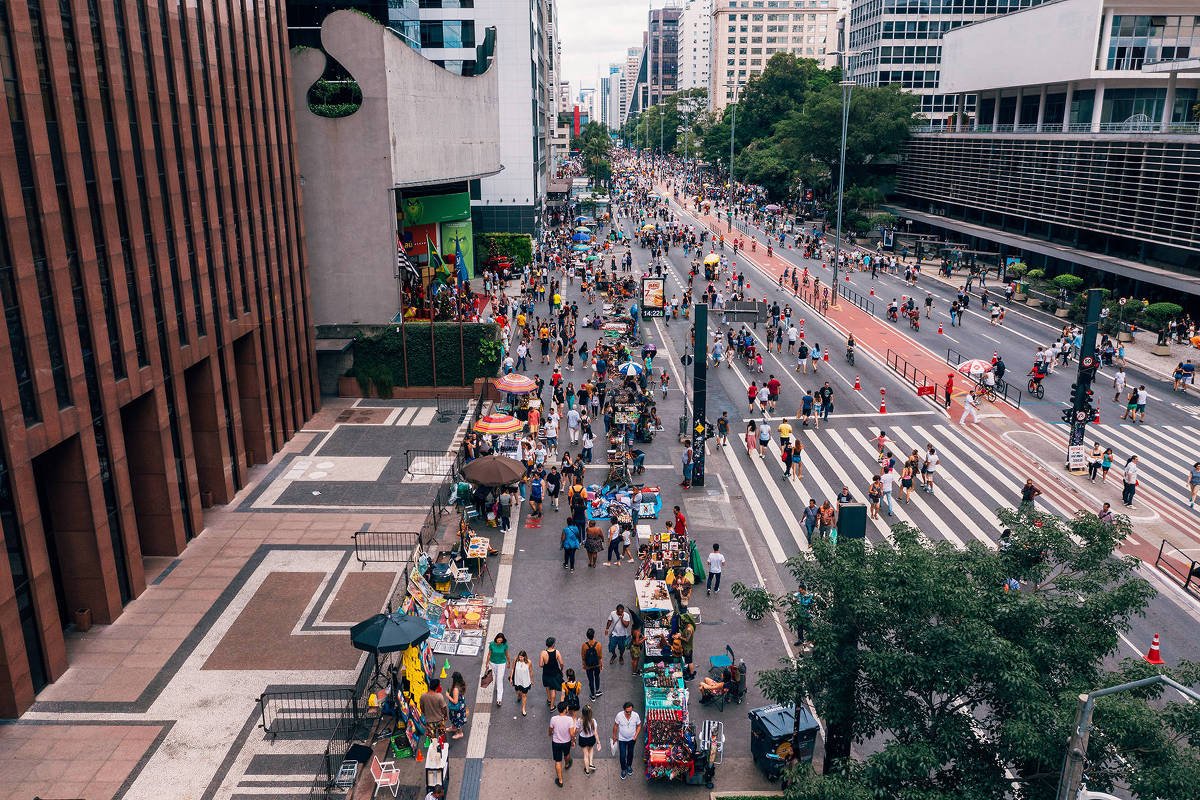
(448, 33)
(910, 78)
(910, 54)
(782, 4)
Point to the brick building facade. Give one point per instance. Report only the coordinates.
(156, 339)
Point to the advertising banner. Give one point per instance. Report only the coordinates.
(435, 208)
(654, 298)
(457, 235)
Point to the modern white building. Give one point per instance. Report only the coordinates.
(901, 43)
(746, 33)
(629, 76)
(526, 59)
(695, 28)
(610, 97)
(1084, 152)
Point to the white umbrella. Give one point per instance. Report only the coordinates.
(631, 369)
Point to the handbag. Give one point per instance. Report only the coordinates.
(486, 679)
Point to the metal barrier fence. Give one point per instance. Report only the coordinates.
(1179, 565)
(916, 377)
(450, 407)
(1004, 390)
(389, 547)
(306, 710)
(325, 784)
(866, 304)
(429, 462)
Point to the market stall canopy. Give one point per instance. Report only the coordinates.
(772, 207)
(389, 633)
(513, 383)
(712, 259)
(494, 471)
(580, 237)
(631, 369)
(499, 424)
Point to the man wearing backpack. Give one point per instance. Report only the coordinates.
(593, 661)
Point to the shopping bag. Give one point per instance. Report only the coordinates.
(487, 678)
(612, 746)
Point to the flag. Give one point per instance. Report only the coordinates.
(435, 259)
(403, 262)
(460, 262)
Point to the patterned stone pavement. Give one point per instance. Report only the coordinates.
(163, 702)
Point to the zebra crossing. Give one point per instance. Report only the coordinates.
(970, 483)
(1166, 453)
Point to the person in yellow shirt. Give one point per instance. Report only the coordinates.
(785, 434)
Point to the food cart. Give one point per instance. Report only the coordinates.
(674, 751)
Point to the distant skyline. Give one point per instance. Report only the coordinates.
(596, 33)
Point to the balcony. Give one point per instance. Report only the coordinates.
(1126, 127)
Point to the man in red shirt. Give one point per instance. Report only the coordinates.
(680, 521)
(773, 386)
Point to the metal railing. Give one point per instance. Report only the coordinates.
(1179, 565)
(386, 547)
(917, 378)
(306, 710)
(1073, 127)
(324, 783)
(865, 303)
(1004, 390)
(430, 462)
(450, 407)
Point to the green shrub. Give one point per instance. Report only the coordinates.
(1071, 283)
(517, 246)
(1035, 274)
(379, 361)
(1157, 315)
(883, 220)
(1017, 269)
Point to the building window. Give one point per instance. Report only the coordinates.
(448, 33)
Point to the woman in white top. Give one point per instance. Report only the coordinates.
(1130, 480)
(522, 678)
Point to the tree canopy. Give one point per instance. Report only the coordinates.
(593, 144)
(967, 689)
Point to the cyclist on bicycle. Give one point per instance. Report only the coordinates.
(1036, 375)
(893, 310)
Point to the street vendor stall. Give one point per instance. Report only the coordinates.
(673, 750)
(655, 607)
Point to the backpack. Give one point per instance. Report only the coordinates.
(591, 656)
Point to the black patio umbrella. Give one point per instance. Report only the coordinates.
(494, 470)
(389, 633)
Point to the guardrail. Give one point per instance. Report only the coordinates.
(429, 462)
(1179, 565)
(450, 407)
(306, 710)
(865, 303)
(386, 547)
(917, 378)
(1004, 390)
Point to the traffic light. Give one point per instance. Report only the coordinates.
(1068, 415)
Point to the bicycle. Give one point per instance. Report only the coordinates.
(989, 392)
(1035, 387)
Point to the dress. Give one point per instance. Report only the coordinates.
(552, 674)
(458, 712)
(593, 544)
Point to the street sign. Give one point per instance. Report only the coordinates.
(1077, 459)
(1089, 362)
(926, 391)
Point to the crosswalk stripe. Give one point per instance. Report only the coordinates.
(869, 471)
(818, 476)
(945, 478)
(1189, 435)
(424, 416)
(934, 519)
(768, 529)
(1149, 466)
(786, 511)
(951, 443)
(405, 415)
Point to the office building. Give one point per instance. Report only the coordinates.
(629, 76)
(610, 97)
(662, 52)
(746, 33)
(304, 18)
(156, 340)
(901, 43)
(695, 25)
(1085, 151)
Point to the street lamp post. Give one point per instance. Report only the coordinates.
(847, 89)
(732, 133)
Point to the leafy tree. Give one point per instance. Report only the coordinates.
(781, 88)
(965, 688)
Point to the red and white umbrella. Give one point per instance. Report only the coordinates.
(974, 366)
(516, 384)
(499, 424)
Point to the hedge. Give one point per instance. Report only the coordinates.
(517, 246)
(379, 360)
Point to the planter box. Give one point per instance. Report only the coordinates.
(1062, 312)
(1161, 350)
(1019, 297)
(1124, 337)
(1034, 303)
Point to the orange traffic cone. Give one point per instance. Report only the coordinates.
(1096, 418)
(825, 356)
(1153, 656)
(857, 385)
(872, 293)
(939, 329)
(882, 406)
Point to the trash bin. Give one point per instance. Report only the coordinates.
(771, 729)
(441, 578)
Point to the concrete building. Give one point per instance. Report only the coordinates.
(405, 167)
(629, 76)
(156, 340)
(901, 43)
(662, 52)
(1085, 151)
(695, 33)
(610, 97)
(746, 33)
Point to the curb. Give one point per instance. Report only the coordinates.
(717, 795)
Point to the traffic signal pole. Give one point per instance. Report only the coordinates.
(1082, 408)
(699, 393)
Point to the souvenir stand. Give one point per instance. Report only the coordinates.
(655, 607)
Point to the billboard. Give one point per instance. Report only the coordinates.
(654, 297)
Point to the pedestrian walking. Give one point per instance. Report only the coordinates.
(562, 734)
(716, 565)
(887, 479)
(570, 544)
(627, 727)
(586, 736)
(1029, 493)
(688, 464)
(826, 392)
(810, 517)
(1106, 462)
(1129, 481)
(572, 687)
(592, 657)
(522, 680)
(613, 556)
(723, 429)
(929, 467)
(874, 496)
(551, 662)
(1105, 514)
(970, 409)
(764, 438)
(456, 704)
(616, 629)
(498, 663)
(1194, 484)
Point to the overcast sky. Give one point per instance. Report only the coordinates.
(598, 32)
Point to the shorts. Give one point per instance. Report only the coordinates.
(587, 741)
(616, 643)
(561, 751)
(521, 689)
(1141, 408)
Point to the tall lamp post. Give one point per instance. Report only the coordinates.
(847, 88)
(732, 133)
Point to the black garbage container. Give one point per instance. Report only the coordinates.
(771, 729)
